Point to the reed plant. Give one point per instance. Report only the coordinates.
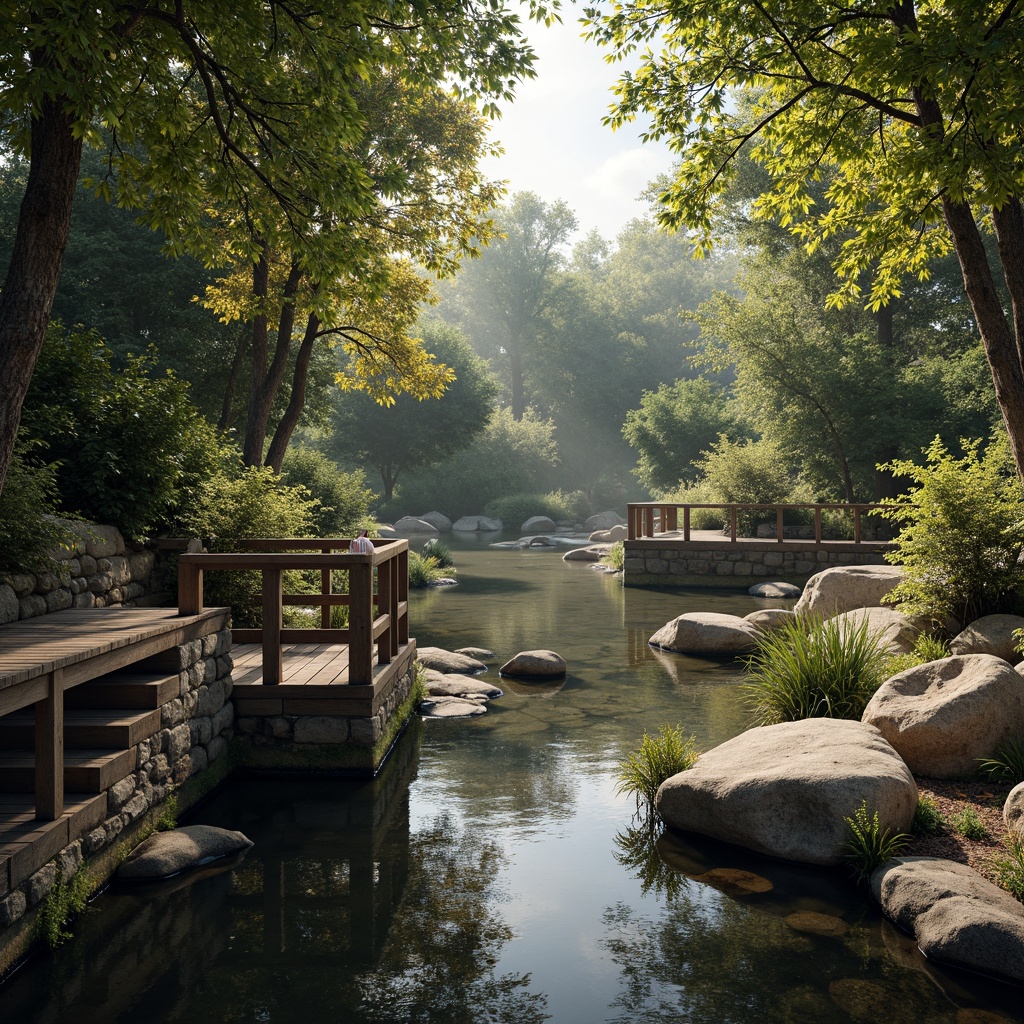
(814, 669)
(1006, 764)
(869, 845)
(424, 570)
(659, 758)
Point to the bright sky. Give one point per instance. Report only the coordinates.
(554, 141)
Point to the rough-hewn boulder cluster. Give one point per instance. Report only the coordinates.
(785, 790)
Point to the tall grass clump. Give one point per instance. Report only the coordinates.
(811, 669)
(615, 556)
(424, 570)
(659, 758)
(440, 553)
(926, 648)
(1009, 870)
(1006, 764)
(868, 845)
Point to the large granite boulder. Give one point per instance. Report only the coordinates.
(895, 632)
(592, 553)
(603, 521)
(454, 684)
(770, 618)
(166, 854)
(707, 633)
(440, 660)
(785, 790)
(410, 527)
(535, 665)
(957, 917)
(477, 524)
(944, 715)
(991, 634)
(845, 587)
(1013, 809)
(538, 524)
(616, 533)
(438, 520)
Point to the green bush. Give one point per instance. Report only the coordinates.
(120, 439)
(659, 758)
(615, 556)
(926, 648)
(27, 527)
(343, 496)
(440, 553)
(869, 845)
(967, 823)
(811, 669)
(424, 570)
(927, 816)
(961, 534)
(700, 493)
(514, 509)
(1010, 869)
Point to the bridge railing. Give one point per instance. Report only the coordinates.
(651, 518)
(377, 597)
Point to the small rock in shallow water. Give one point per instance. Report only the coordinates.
(451, 707)
(735, 881)
(448, 661)
(480, 653)
(535, 665)
(817, 924)
(451, 684)
(166, 854)
(774, 590)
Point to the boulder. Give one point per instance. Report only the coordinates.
(991, 634)
(538, 524)
(386, 531)
(845, 587)
(592, 553)
(165, 854)
(616, 533)
(785, 790)
(535, 665)
(770, 618)
(603, 521)
(774, 590)
(477, 524)
(438, 521)
(451, 707)
(895, 632)
(9, 607)
(957, 917)
(452, 684)
(944, 715)
(1013, 809)
(706, 633)
(410, 527)
(440, 660)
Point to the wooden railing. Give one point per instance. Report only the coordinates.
(378, 602)
(649, 518)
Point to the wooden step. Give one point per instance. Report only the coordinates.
(119, 690)
(85, 771)
(84, 728)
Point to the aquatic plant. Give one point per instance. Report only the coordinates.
(440, 553)
(424, 570)
(869, 845)
(1006, 764)
(65, 899)
(811, 669)
(614, 556)
(659, 758)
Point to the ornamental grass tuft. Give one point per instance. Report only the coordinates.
(1006, 764)
(659, 758)
(814, 669)
(869, 845)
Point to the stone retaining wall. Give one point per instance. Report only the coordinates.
(651, 562)
(196, 727)
(100, 572)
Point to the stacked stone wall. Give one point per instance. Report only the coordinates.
(648, 563)
(100, 571)
(195, 730)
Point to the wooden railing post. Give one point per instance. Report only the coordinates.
(49, 795)
(325, 591)
(190, 588)
(670, 518)
(360, 624)
(732, 524)
(856, 524)
(273, 662)
(403, 595)
(386, 606)
(780, 524)
(817, 524)
(686, 522)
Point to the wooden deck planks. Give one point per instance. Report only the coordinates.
(304, 664)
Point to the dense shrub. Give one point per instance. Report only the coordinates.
(515, 509)
(124, 444)
(344, 497)
(961, 532)
(27, 527)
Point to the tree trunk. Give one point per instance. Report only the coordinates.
(389, 477)
(39, 243)
(515, 363)
(296, 400)
(229, 386)
(266, 380)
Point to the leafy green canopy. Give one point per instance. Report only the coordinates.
(911, 110)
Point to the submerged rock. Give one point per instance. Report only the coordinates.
(957, 917)
(944, 715)
(448, 661)
(451, 707)
(452, 684)
(785, 790)
(166, 854)
(480, 653)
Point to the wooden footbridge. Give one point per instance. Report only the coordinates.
(81, 689)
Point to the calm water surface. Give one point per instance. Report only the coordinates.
(492, 874)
